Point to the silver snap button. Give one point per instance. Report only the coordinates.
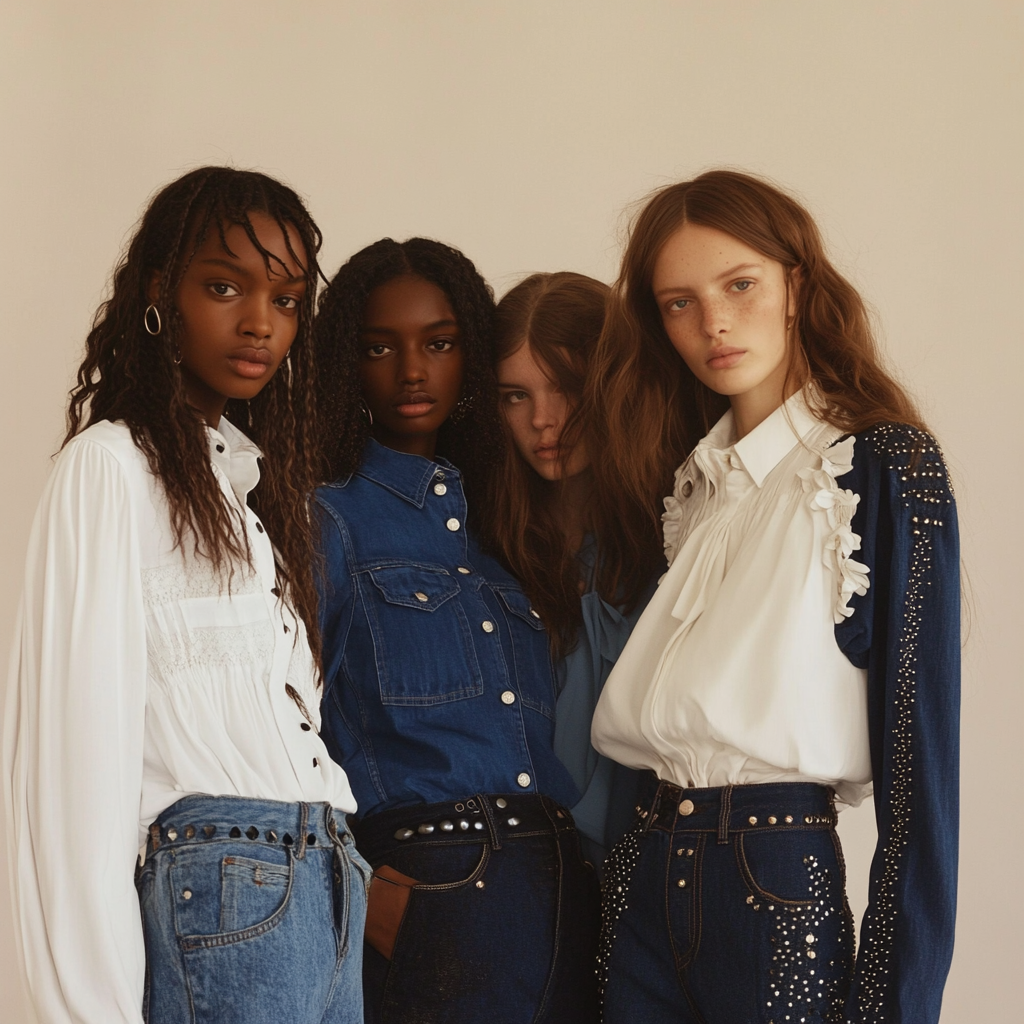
(686, 808)
(681, 883)
(425, 830)
(464, 570)
(452, 524)
(187, 894)
(440, 489)
(508, 697)
(535, 614)
(752, 820)
(447, 826)
(513, 822)
(487, 626)
(523, 779)
(404, 833)
(501, 803)
(420, 596)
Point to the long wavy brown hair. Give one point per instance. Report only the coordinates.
(129, 375)
(560, 316)
(653, 410)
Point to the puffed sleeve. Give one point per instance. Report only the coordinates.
(73, 747)
(906, 631)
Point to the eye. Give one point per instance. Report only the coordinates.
(515, 397)
(377, 351)
(677, 304)
(223, 288)
(441, 344)
(287, 302)
(743, 286)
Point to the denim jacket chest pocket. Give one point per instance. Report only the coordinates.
(422, 642)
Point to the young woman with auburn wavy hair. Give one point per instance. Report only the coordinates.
(544, 520)
(773, 673)
(162, 712)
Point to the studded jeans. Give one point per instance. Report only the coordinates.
(502, 928)
(253, 913)
(727, 906)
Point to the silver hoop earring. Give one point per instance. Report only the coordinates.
(147, 323)
(366, 412)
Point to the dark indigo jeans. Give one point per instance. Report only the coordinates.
(727, 906)
(253, 913)
(503, 928)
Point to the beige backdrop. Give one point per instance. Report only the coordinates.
(519, 131)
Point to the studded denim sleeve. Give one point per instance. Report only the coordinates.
(906, 632)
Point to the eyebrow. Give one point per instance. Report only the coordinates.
(515, 387)
(239, 269)
(427, 327)
(725, 273)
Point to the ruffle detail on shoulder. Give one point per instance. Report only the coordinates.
(676, 515)
(839, 505)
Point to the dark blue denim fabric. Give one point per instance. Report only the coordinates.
(906, 632)
(728, 906)
(503, 928)
(437, 677)
(253, 913)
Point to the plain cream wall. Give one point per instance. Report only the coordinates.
(519, 131)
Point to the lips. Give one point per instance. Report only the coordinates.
(414, 403)
(251, 362)
(549, 452)
(725, 358)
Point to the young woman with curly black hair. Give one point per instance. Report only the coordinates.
(164, 684)
(438, 692)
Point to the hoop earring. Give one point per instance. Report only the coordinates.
(366, 412)
(151, 308)
(177, 356)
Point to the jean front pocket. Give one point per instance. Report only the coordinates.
(220, 898)
(779, 865)
(423, 646)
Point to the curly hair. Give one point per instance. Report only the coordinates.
(653, 410)
(471, 438)
(560, 317)
(131, 376)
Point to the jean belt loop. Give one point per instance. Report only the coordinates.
(723, 815)
(833, 814)
(300, 841)
(488, 813)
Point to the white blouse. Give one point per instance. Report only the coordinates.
(733, 674)
(137, 677)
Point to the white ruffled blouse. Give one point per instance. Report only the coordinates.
(733, 674)
(137, 677)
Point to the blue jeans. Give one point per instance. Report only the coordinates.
(727, 906)
(253, 913)
(502, 928)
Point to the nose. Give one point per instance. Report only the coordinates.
(714, 318)
(548, 411)
(257, 323)
(411, 366)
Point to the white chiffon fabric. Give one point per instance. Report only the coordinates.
(733, 675)
(138, 676)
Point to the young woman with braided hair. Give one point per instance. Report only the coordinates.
(438, 692)
(801, 650)
(164, 685)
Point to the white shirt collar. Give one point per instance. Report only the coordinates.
(235, 456)
(770, 441)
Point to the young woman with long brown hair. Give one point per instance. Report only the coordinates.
(803, 646)
(544, 521)
(164, 689)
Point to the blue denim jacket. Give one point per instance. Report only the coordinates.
(437, 677)
(906, 632)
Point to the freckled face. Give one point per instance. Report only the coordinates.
(411, 367)
(724, 306)
(240, 317)
(536, 409)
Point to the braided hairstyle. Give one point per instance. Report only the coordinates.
(130, 375)
(471, 437)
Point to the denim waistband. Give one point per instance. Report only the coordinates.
(726, 809)
(204, 819)
(497, 817)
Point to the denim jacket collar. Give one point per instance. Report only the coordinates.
(408, 476)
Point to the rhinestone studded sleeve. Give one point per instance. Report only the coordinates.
(912, 650)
